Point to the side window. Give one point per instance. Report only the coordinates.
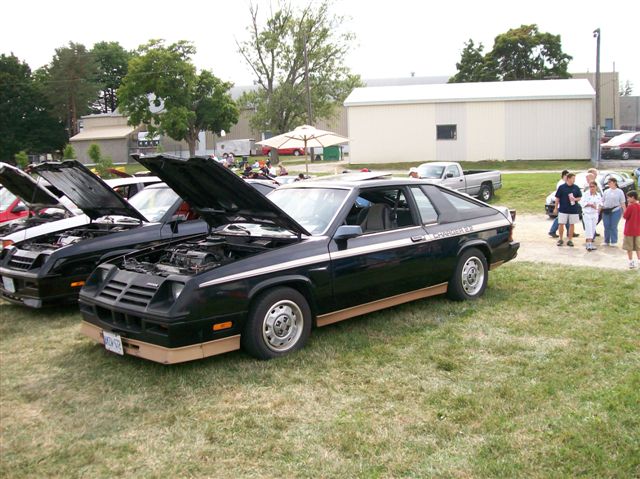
(427, 212)
(453, 170)
(446, 132)
(461, 204)
(382, 209)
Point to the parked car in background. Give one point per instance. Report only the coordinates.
(625, 183)
(624, 147)
(310, 254)
(608, 134)
(480, 183)
(266, 151)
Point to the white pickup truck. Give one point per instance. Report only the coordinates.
(479, 183)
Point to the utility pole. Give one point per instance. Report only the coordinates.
(306, 81)
(615, 87)
(596, 34)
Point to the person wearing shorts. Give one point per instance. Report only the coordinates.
(631, 240)
(567, 197)
(591, 203)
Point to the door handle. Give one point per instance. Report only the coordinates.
(417, 239)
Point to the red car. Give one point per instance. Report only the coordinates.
(11, 207)
(266, 151)
(622, 147)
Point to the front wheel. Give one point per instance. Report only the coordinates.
(626, 154)
(279, 322)
(485, 193)
(470, 276)
(296, 152)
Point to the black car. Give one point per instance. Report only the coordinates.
(50, 268)
(310, 254)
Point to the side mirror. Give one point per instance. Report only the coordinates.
(346, 232)
(449, 175)
(19, 208)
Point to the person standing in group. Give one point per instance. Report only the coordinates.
(613, 206)
(553, 231)
(631, 240)
(591, 203)
(567, 197)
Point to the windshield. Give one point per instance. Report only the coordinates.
(312, 208)
(430, 171)
(153, 203)
(6, 198)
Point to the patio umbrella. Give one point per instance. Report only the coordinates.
(304, 136)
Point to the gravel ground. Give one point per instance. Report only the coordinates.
(537, 246)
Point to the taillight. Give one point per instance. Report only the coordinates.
(511, 232)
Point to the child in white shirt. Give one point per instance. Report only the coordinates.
(591, 203)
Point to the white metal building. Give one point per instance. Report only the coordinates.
(528, 120)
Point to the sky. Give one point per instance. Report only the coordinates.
(393, 39)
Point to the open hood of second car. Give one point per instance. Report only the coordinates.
(92, 195)
(218, 194)
(32, 193)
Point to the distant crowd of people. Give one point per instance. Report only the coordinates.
(589, 205)
(258, 170)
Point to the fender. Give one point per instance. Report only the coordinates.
(114, 254)
(283, 281)
(482, 245)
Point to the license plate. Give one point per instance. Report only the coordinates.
(8, 284)
(112, 342)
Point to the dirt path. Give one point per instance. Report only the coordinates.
(536, 245)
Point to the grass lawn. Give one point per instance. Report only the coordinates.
(526, 192)
(534, 380)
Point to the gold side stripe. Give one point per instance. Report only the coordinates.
(330, 318)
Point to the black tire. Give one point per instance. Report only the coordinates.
(279, 322)
(296, 153)
(486, 193)
(626, 154)
(468, 282)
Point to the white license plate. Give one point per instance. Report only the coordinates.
(112, 342)
(8, 284)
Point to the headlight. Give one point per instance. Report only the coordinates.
(176, 290)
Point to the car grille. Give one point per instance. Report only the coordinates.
(133, 295)
(23, 263)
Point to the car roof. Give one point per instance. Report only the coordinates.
(133, 180)
(355, 183)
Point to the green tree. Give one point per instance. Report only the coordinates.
(22, 159)
(276, 54)
(112, 64)
(70, 84)
(473, 65)
(102, 164)
(627, 89)
(26, 122)
(69, 153)
(163, 91)
(522, 53)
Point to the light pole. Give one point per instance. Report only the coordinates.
(596, 34)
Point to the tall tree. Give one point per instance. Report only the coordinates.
(627, 89)
(522, 53)
(70, 84)
(276, 54)
(112, 64)
(26, 122)
(473, 65)
(163, 91)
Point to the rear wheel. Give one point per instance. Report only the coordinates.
(470, 276)
(279, 322)
(626, 154)
(485, 193)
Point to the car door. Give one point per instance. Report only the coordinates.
(388, 259)
(453, 178)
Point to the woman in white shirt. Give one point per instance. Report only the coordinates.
(591, 203)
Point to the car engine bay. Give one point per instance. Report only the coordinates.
(60, 239)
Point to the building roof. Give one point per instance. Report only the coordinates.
(103, 133)
(468, 92)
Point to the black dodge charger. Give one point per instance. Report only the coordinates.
(269, 269)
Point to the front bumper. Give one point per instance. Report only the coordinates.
(163, 355)
(611, 154)
(39, 292)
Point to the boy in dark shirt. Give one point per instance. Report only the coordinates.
(567, 197)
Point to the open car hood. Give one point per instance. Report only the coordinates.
(32, 193)
(92, 195)
(219, 195)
